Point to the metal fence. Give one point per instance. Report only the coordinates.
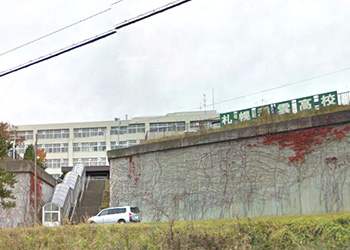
(344, 98)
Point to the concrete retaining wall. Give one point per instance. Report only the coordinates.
(298, 166)
(23, 213)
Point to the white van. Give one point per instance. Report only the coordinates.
(117, 215)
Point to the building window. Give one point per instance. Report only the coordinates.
(89, 146)
(54, 148)
(90, 161)
(167, 126)
(133, 142)
(56, 163)
(201, 125)
(88, 132)
(21, 149)
(116, 145)
(124, 144)
(119, 130)
(131, 129)
(28, 135)
(194, 125)
(53, 134)
(136, 128)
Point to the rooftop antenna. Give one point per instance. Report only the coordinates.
(212, 94)
(205, 102)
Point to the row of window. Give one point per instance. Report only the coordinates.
(54, 148)
(89, 146)
(91, 132)
(88, 132)
(123, 144)
(119, 130)
(28, 135)
(80, 147)
(131, 129)
(56, 163)
(49, 148)
(59, 163)
(83, 132)
(53, 134)
(90, 161)
(167, 126)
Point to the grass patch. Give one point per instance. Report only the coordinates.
(105, 196)
(326, 231)
(265, 119)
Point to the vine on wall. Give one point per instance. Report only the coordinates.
(273, 174)
(32, 192)
(132, 173)
(303, 142)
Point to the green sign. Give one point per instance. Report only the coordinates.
(328, 99)
(284, 108)
(305, 103)
(263, 110)
(244, 115)
(226, 119)
(281, 108)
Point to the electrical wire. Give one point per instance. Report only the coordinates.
(96, 38)
(57, 53)
(279, 87)
(56, 31)
(61, 29)
(263, 91)
(117, 2)
(151, 13)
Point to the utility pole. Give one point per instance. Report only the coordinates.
(14, 147)
(35, 181)
(119, 133)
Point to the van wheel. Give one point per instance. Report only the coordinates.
(121, 221)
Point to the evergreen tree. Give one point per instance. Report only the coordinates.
(30, 155)
(7, 181)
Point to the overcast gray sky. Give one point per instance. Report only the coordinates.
(166, 63)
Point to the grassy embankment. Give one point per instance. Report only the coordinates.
(105, 196)
(328, 231)
(264, 119)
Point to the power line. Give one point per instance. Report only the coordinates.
(281, 86)
(151, 13)
(59, 52)
(266, 90)
(117, 2)
(56, 31)
(96, 38)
